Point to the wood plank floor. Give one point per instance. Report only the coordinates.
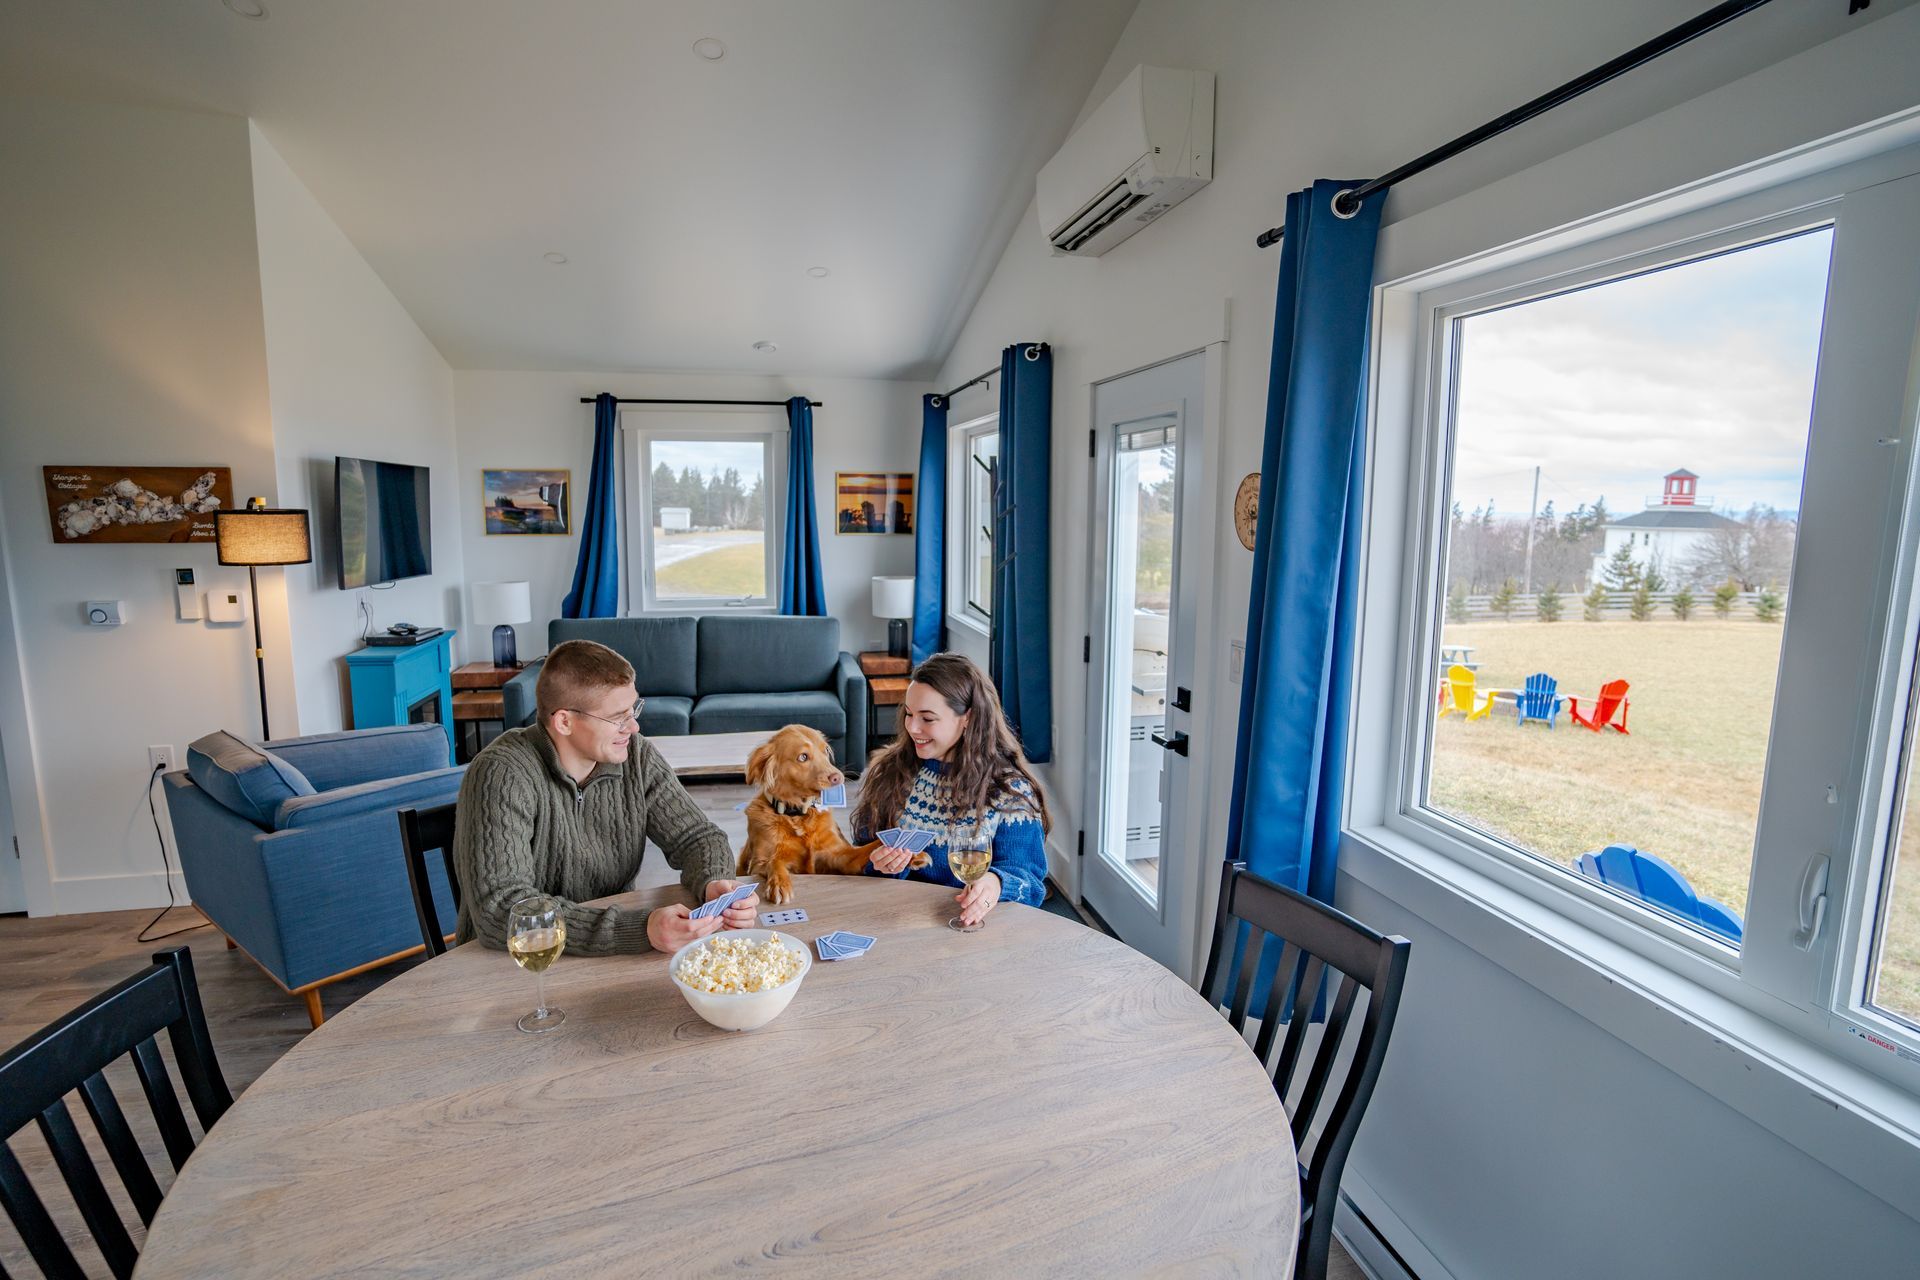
(51, 965)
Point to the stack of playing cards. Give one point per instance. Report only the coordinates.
(841, 945)
(911, 841)
(722, 902)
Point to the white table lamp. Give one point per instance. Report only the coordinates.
(893, 600)
(504, 603)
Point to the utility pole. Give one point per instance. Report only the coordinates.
(1533, 513)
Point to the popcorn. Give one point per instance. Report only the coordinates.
(735, 966)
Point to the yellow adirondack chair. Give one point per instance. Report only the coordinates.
(1460, 686)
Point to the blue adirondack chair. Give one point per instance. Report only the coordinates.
(1540, 700)
(1655, 881)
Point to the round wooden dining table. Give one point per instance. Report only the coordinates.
(1033, 1098)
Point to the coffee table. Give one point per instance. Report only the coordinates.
(708, 755)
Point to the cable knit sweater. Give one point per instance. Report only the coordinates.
(1012, 820)
(524, 827)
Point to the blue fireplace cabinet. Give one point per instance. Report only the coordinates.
(403, 684)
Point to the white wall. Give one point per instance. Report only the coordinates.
(1510, 1136)
(350, 374)
(536, 420)
(130, 332)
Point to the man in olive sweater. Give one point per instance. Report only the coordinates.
(565, 807)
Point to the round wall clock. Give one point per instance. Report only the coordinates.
(1246, 508)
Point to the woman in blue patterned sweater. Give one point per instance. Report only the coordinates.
(956, 770)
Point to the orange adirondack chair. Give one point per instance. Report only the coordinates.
(1460, 684)
(1613, 697)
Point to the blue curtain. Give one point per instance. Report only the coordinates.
(803, 588)
(1284, 819)
(596, 578)
(1020, 650)
(930, 533)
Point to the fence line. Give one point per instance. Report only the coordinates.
(1617, 608)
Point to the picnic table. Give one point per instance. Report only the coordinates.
(1457, 654)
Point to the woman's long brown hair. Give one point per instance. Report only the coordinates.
(984, 763)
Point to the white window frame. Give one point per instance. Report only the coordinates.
(1787, 1008)
(640, 428)
(961, 532)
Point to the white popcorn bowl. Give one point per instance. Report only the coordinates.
(748, 1009)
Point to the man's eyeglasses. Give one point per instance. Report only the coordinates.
(629, 720)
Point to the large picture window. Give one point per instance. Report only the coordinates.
(703, 503)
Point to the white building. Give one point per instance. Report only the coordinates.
(1667, 533)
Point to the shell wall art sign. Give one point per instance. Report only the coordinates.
(136, 504)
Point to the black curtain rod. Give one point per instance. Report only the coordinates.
(771, 404)
(1348, 202)
(979, 378)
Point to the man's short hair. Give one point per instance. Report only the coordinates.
(576, 672)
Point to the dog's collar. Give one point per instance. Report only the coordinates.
(786, 810)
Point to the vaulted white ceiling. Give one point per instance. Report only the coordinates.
(456, 142)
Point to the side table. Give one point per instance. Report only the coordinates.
(886, 686)
(477, 697)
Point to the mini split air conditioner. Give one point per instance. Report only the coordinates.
(1142, 151)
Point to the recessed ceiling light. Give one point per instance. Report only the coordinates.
(247, 8)
(764, 347)
(818, 273)
(555, 258)
(709, 48)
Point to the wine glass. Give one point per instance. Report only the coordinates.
(536, 935)
(968, 858)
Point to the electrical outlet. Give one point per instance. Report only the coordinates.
(161, 756)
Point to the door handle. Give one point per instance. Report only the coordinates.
(1813, 902)
(1177, 744)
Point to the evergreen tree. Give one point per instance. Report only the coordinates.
(1651, 578)
(1457, 602)
(756, 517)
(1503, 599)
(666, 488)
(1769, 605)
(1622, 574)
(1547, 604)
(1594, 603)
(1723, 597)
(1682, 604)
(1640, 608)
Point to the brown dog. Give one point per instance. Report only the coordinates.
(786, 834)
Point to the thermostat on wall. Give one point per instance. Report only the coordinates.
(101, 613)
(226, 604)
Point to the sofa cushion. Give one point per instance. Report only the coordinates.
(436, 786)
(244, 778)
(660, 649)
(354, 756)
(766, 655)
(741, 712)
(666, 717)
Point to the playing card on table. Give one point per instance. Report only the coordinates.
(849, 941)
(834, 797)
(792, 915)
(830, 952)
(722, 902)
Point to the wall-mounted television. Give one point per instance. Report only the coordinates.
(384, 519)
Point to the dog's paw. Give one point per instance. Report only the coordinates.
(779, 890)
(920, 861)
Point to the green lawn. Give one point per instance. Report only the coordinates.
(738, 570)
(1684, 783)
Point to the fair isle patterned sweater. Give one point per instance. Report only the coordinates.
(1012, 819)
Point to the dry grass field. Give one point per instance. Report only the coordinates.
(1684, 783)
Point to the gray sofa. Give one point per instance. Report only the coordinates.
(720, 673)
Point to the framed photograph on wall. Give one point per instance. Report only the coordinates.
(526, 501)
(136, 504)
(873, 502)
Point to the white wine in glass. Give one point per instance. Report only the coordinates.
(536, 935)
(969, 859)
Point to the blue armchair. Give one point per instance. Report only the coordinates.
(293, 851)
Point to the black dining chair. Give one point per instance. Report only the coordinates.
(425, 831)
(1317, 943)
(73, 1053)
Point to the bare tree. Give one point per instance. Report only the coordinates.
(1753, 551)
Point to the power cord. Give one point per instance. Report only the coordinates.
(167, 867)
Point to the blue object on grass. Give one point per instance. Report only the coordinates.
(1540, 700)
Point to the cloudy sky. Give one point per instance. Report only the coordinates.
(711, 457)
(1707, 366)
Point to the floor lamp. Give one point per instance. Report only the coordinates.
(261, 535)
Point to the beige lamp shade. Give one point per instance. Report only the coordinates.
(495, 602)
(261, 535)
(893, 597)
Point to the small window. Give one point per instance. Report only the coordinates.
(983, 457)
(705, 503)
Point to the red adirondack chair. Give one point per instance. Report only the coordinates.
(1613, 697)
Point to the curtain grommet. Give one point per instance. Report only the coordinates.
(935, 401)
(1033, 351)
(1340, 195)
